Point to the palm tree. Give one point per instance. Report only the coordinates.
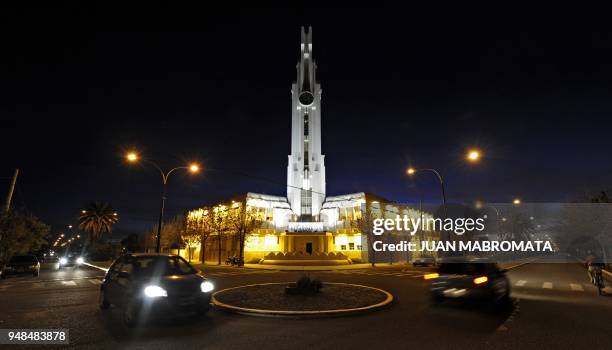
(97, 218)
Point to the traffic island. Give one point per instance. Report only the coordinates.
(272, 300)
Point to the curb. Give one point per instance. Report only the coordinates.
(521, 264)
(300, 314)
(305, 268)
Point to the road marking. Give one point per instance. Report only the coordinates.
(38, 285)
(576, 287)
(94, 281)
(547, 285)
(520, 283)
(69, 283)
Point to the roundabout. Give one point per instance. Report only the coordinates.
(270, 300)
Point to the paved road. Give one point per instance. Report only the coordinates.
(554, 307)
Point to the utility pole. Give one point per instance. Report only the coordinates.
(9, 196)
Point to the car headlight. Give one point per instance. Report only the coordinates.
(155, 291)
(80, 260)
(207, 287)
(63, 261)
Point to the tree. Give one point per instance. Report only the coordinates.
(242, 221)
(191, 238)
(364, 223)
(20, 233)
(201, 221)
(220, 225)
(97, 219)
(170, 233)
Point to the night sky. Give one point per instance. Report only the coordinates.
(80, 86)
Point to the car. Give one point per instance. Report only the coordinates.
(424, 261)
(22, 264)
(152, 284)
(71, 260)
(469, 280)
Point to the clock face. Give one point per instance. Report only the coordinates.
(306, 98)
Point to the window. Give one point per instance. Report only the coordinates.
(164, 266)
(343, 247)
(306, 202)
(351, 246)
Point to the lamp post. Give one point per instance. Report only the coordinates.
(193, 168)
(412, 171)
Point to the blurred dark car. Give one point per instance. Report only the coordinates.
(154, 285)
(424, 261)
(472, 280)
(21, 264)
(71, 260)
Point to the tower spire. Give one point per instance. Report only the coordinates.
(306, 168)
(306, 45)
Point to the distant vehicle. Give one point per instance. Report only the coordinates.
(21, 264)
(424, 261)
(154, 284)
(469, 280)
(72, 260)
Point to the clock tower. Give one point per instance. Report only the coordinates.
(306, 168)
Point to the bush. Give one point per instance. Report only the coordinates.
(304, 286)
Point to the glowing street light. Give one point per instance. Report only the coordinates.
(193, 168)
(473, 155)
(411, 171)
(516, 201)
(132, 157)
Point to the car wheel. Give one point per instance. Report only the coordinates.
(102, 302)
(130, 314)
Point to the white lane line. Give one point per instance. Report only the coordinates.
(520, 283)
(69, 283)
(547, 285)
(576, 287)
(94, 281)
(96, 267)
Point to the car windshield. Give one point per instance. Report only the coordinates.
(466, 268)
(22, 259)
(162, 266)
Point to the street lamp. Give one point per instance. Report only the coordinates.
(412, 171)
(516, 201)
(133, 157)
(473, 155)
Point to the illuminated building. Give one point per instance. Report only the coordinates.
(306, 226)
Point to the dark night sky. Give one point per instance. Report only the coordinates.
(81, 85)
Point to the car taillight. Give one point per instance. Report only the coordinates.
(431, 276)
(481, 280)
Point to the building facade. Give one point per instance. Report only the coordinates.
(306, 226)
